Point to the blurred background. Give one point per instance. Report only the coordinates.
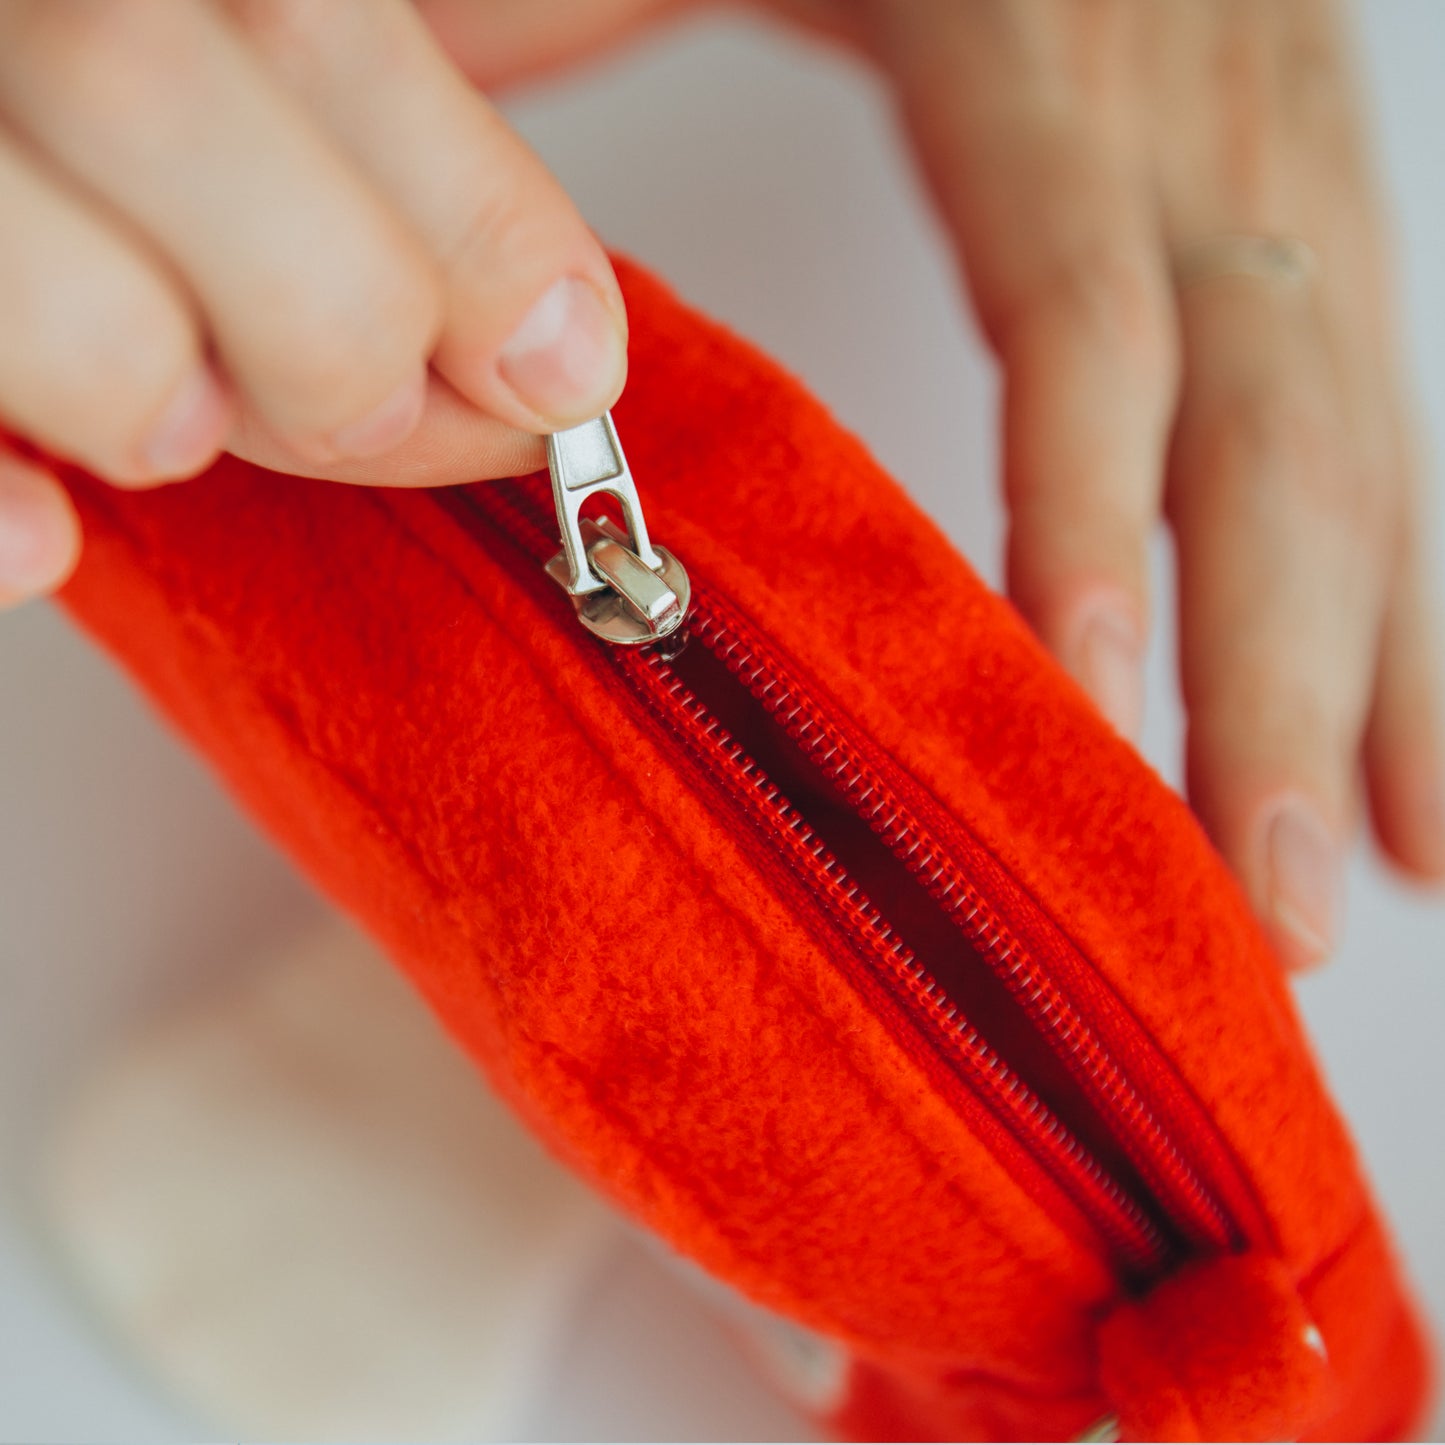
(128, 884)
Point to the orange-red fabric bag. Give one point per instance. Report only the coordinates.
(844, 947)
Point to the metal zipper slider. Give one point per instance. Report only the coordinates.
(624, 589)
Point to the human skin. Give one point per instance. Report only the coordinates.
(296, 230)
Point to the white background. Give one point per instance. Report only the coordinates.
(764, 179)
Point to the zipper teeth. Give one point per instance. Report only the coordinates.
(1119, 1217)
(1147, 1142)
(1188, 1199)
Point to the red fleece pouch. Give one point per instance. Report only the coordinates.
(845, 947)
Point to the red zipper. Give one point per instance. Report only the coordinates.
(970, 964)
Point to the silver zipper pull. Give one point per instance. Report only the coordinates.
(624, 589)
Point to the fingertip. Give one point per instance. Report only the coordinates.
(1104, 654)
(566, 361)
(1298, 954)
(39, 532)
(1297, 881)
(1404, 750)
(1282, 838)
(1093, 619)
(186, 436)
(1408, 807)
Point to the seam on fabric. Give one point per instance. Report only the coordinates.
(1364, 1224)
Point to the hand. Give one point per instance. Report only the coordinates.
(1086, 157)
(257, 225)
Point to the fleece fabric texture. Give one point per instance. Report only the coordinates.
(424, 732)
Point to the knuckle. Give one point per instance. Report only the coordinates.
(1112, 292)
(1262, 711)
(513, 229)
(518, 218)
(1274, 431)
(1113, 297)
(498, 225)
(1283, 439)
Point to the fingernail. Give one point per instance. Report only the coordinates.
(37, 540)
(385, 426)
(565, 361)
(1304, 878)
(190, 430)
(1110, 670)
